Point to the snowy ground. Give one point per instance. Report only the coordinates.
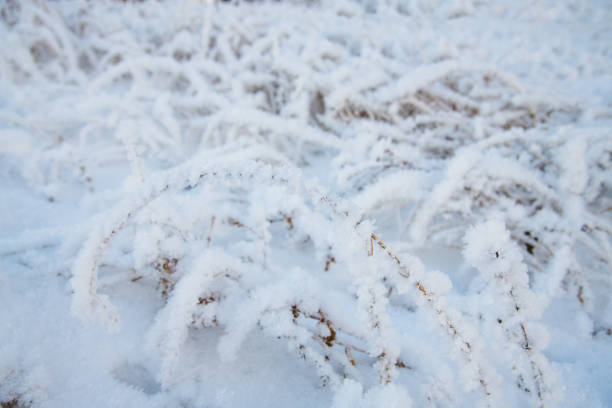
(343, 203)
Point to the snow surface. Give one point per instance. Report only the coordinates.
(335, 203)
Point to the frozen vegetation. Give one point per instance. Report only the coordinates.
(326, 203)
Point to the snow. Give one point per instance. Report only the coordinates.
(336, 203)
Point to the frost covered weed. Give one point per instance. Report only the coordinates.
(490, 249)
(243, 273)
(239, 274)
(219, 110)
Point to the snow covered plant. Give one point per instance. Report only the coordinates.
(222, 181)
(513, 308)
(416, 122)
(452, 145)
(245, 246)
(161, 94)
(221, 243)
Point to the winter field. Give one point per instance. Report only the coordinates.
(325, 203)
